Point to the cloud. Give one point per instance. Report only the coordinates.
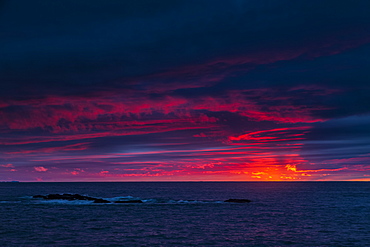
(208, 90)
(274, 134)
(40, 169)
(111, 112)
(7, 165)
(72, 147)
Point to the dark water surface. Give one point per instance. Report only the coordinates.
(188, 214)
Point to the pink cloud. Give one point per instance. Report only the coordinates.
(40, 169)
(7, 165)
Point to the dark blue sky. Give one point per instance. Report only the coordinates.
(184, 90)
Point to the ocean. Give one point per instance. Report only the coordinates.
(187, 214)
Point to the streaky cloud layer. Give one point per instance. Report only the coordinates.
(184, 91)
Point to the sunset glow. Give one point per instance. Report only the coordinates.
(180, 94)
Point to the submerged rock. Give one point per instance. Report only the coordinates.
(39, 196)
(129, 201)
(238, 200)
(101, 201)
(71, 197)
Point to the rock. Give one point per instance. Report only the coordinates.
(56, 197)
(101, 201)
(238, 200)
(71, 197)
(39, 196)
(129, 201)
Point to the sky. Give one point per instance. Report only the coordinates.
(190, 90)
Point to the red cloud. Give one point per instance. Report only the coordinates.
(272, 134)
(104, 112)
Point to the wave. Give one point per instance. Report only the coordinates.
(118, 200)
(76, 199)
(159, 200)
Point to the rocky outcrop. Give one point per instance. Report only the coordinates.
(101, 201)
(238, 200)
(39, 197)
(70, 197)
(129, 201)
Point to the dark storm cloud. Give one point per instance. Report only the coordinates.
(92, 43)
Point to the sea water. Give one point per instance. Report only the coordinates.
(188, 214)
